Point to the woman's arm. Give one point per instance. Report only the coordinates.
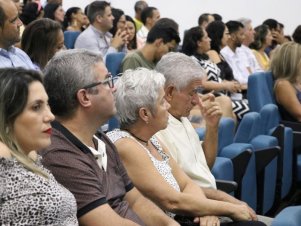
(190, 201)
(286, 96)
(231, 86)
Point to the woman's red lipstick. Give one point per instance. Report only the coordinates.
(49, 131)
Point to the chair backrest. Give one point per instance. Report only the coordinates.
(70, 38)
(248, 128)
(226, 131)
(113, 62)
(260, 90)
(270, 117)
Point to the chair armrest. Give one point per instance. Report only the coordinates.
(226, 186)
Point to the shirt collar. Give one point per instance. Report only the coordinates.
(101, 33)
(11, 49)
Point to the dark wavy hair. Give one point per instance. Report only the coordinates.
(39, 40)
(190, 42)
(297, 34)
(133, 43)
(68, 16)
(261, 32)
(117, 13)
(215, 32)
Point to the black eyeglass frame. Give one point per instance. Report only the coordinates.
(109, 80)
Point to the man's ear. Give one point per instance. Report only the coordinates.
(158, 42)
(169, 92)
(83, 98)
(99, 18)
(233, 36)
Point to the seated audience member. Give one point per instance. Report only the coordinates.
(31, 11)
(131, 31)
(219, 35)
(100, 39)
(196, 44)
(119, 25)
(285, 66)
(297, 35)
(196, 158)
(19, 6)
(29, 193)
(41, 40)
(60, 2)
(230, 53)
(142, 110)
(278, 37)
(244, 51)
(54, 12)
(205, 19)
(89, 165)
(161, 39)
(138, 7)
(217, 17)
(149, 16)
(74, 19)
(262, 40)
(11, 56)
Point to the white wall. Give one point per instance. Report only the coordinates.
(186, 12)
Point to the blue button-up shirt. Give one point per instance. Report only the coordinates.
(15, 57)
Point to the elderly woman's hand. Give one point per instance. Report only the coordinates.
(210, 109)
(207, 221)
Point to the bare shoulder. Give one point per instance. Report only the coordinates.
(4, 151)
(281, 84)
(214, 56)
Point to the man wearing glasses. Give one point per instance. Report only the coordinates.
(80, 91)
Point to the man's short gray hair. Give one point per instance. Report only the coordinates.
(244, 21)
(136, 89)
(179, 70)
(66, 73)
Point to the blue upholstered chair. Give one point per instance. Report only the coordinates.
(290, 216)
(238, 155)
(113, 62)
(260, 93)
(252, 130)
(70, 38)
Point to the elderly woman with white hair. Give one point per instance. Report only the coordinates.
(143, 111)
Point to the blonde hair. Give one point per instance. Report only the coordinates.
(14, 83)
(286, 62)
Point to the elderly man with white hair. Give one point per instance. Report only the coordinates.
(194, 157)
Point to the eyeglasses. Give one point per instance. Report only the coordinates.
(110, 80)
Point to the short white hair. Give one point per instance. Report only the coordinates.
(179, 70)
(136, 89)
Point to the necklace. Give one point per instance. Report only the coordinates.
(144, 142)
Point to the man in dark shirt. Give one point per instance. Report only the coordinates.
(80, 93)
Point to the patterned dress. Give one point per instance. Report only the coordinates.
(162, 166)
(29, 199)
(240, 107)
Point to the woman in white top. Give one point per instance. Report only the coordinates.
(143, 111)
